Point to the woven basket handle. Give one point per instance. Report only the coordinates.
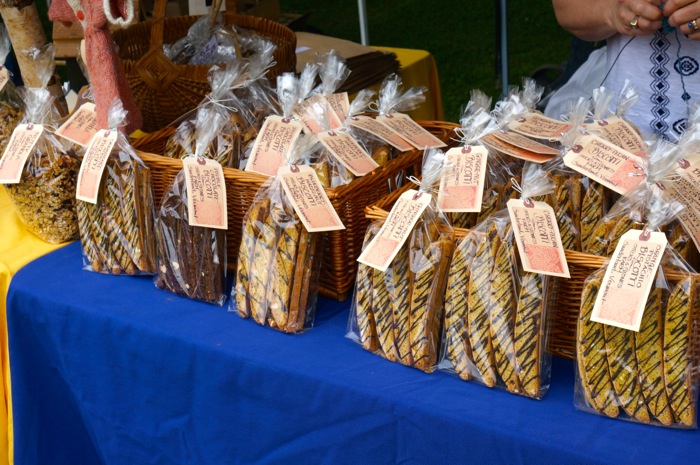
(157, 24)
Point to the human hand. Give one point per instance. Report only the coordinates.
(638, 17)
(685, 15)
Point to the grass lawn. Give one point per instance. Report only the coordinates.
(461, 35)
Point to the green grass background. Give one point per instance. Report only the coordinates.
(459, 34)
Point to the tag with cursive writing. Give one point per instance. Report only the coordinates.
(525, 143)
(206, 193)
(539, 126)
(628, 279)
(309, 199)
(411, 131)
(93, 165)
(340, 104)
(348, 152)
(272, 145)
(499, 145)
(377, 129)
(381, 250)
(686, 190)
(18, 149)
(619, 132)
(462, 183)
(313, 108)
(4, 77)
(608, 164)
(537, 234)
(81, 125)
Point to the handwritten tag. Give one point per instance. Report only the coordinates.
(377, 129)
(500, 146)
(462, 184)
(206, 193)
(619, 132)
(348, 152)
(413, 132)
(340, 104)
(18, 149)
(611, 166)
(81, 125)
(539, 126)
(628, 279)
(4, 77)
(309, 199)
(93, 165)
(314, 108)
(381, 250)
(684, 190)
(537, 234)
(272, 145)
(525, 143)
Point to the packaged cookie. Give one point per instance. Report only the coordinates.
(397, 307)
(11, 106)
(115, 206)
(207, 42)
(191, 260)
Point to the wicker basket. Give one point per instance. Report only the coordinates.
(342, 247)
(163, 90)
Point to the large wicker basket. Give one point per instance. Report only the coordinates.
(163, 90)
(342, 247)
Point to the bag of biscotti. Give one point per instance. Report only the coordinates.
(636, 335)
(191, 223)
(115, 203)
(498, 295)
(11, 106)
(279, 259)
(397, 306)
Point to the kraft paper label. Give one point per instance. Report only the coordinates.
(309, 199)
(494, 143)
(81, 125)
(340, 103)
(684, 191)
(462, 183)
(381, 250)
(206, 193)
(93, 165)
(628, 279)
(539, 126)
(377, 129)
(20, 146)
(314, 108)
(348, 152)
(611, 166)
(272, 145)
(411, 131)
(619, 132)
(537, 234)
(525, 143)
(4, 77)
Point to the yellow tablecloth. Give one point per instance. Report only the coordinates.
(17, 248)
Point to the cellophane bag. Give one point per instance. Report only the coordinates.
(191, 260)
(116, 232)
(496, 326)
(207, 42)
(397, 314)
(647, 376)
(45, 196)
(11, 106)
(380, 150)
(279, 262)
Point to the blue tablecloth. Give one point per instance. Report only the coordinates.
(110, 370)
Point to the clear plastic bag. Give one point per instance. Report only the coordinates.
(279, 262)
(11, 106)
(397, 314)
(117, 232)
(207, 42)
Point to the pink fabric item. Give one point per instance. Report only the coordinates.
(106, 72)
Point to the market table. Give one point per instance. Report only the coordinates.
(111, 370)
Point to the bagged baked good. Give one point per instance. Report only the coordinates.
(397, 313)
(279, 261)
(191, 260)
(208, 41)
(496, 325)
(116, 231)
(11, 106)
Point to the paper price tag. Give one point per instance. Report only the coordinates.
(4, 77)
(206, 193)
(411, 131)
(340, 104)
(537, 234)
(539, 126)
(377, 129)
(462, 184)
(525, 143)
(611, 166)
(619, 132)
(81, 125)
(628, 279)
(494, 143)
(309, 199)
(272, 145)
(348, 152)
(311, 109)
(381, 250)
(18, 149)
(93, 165)
(683, 191)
